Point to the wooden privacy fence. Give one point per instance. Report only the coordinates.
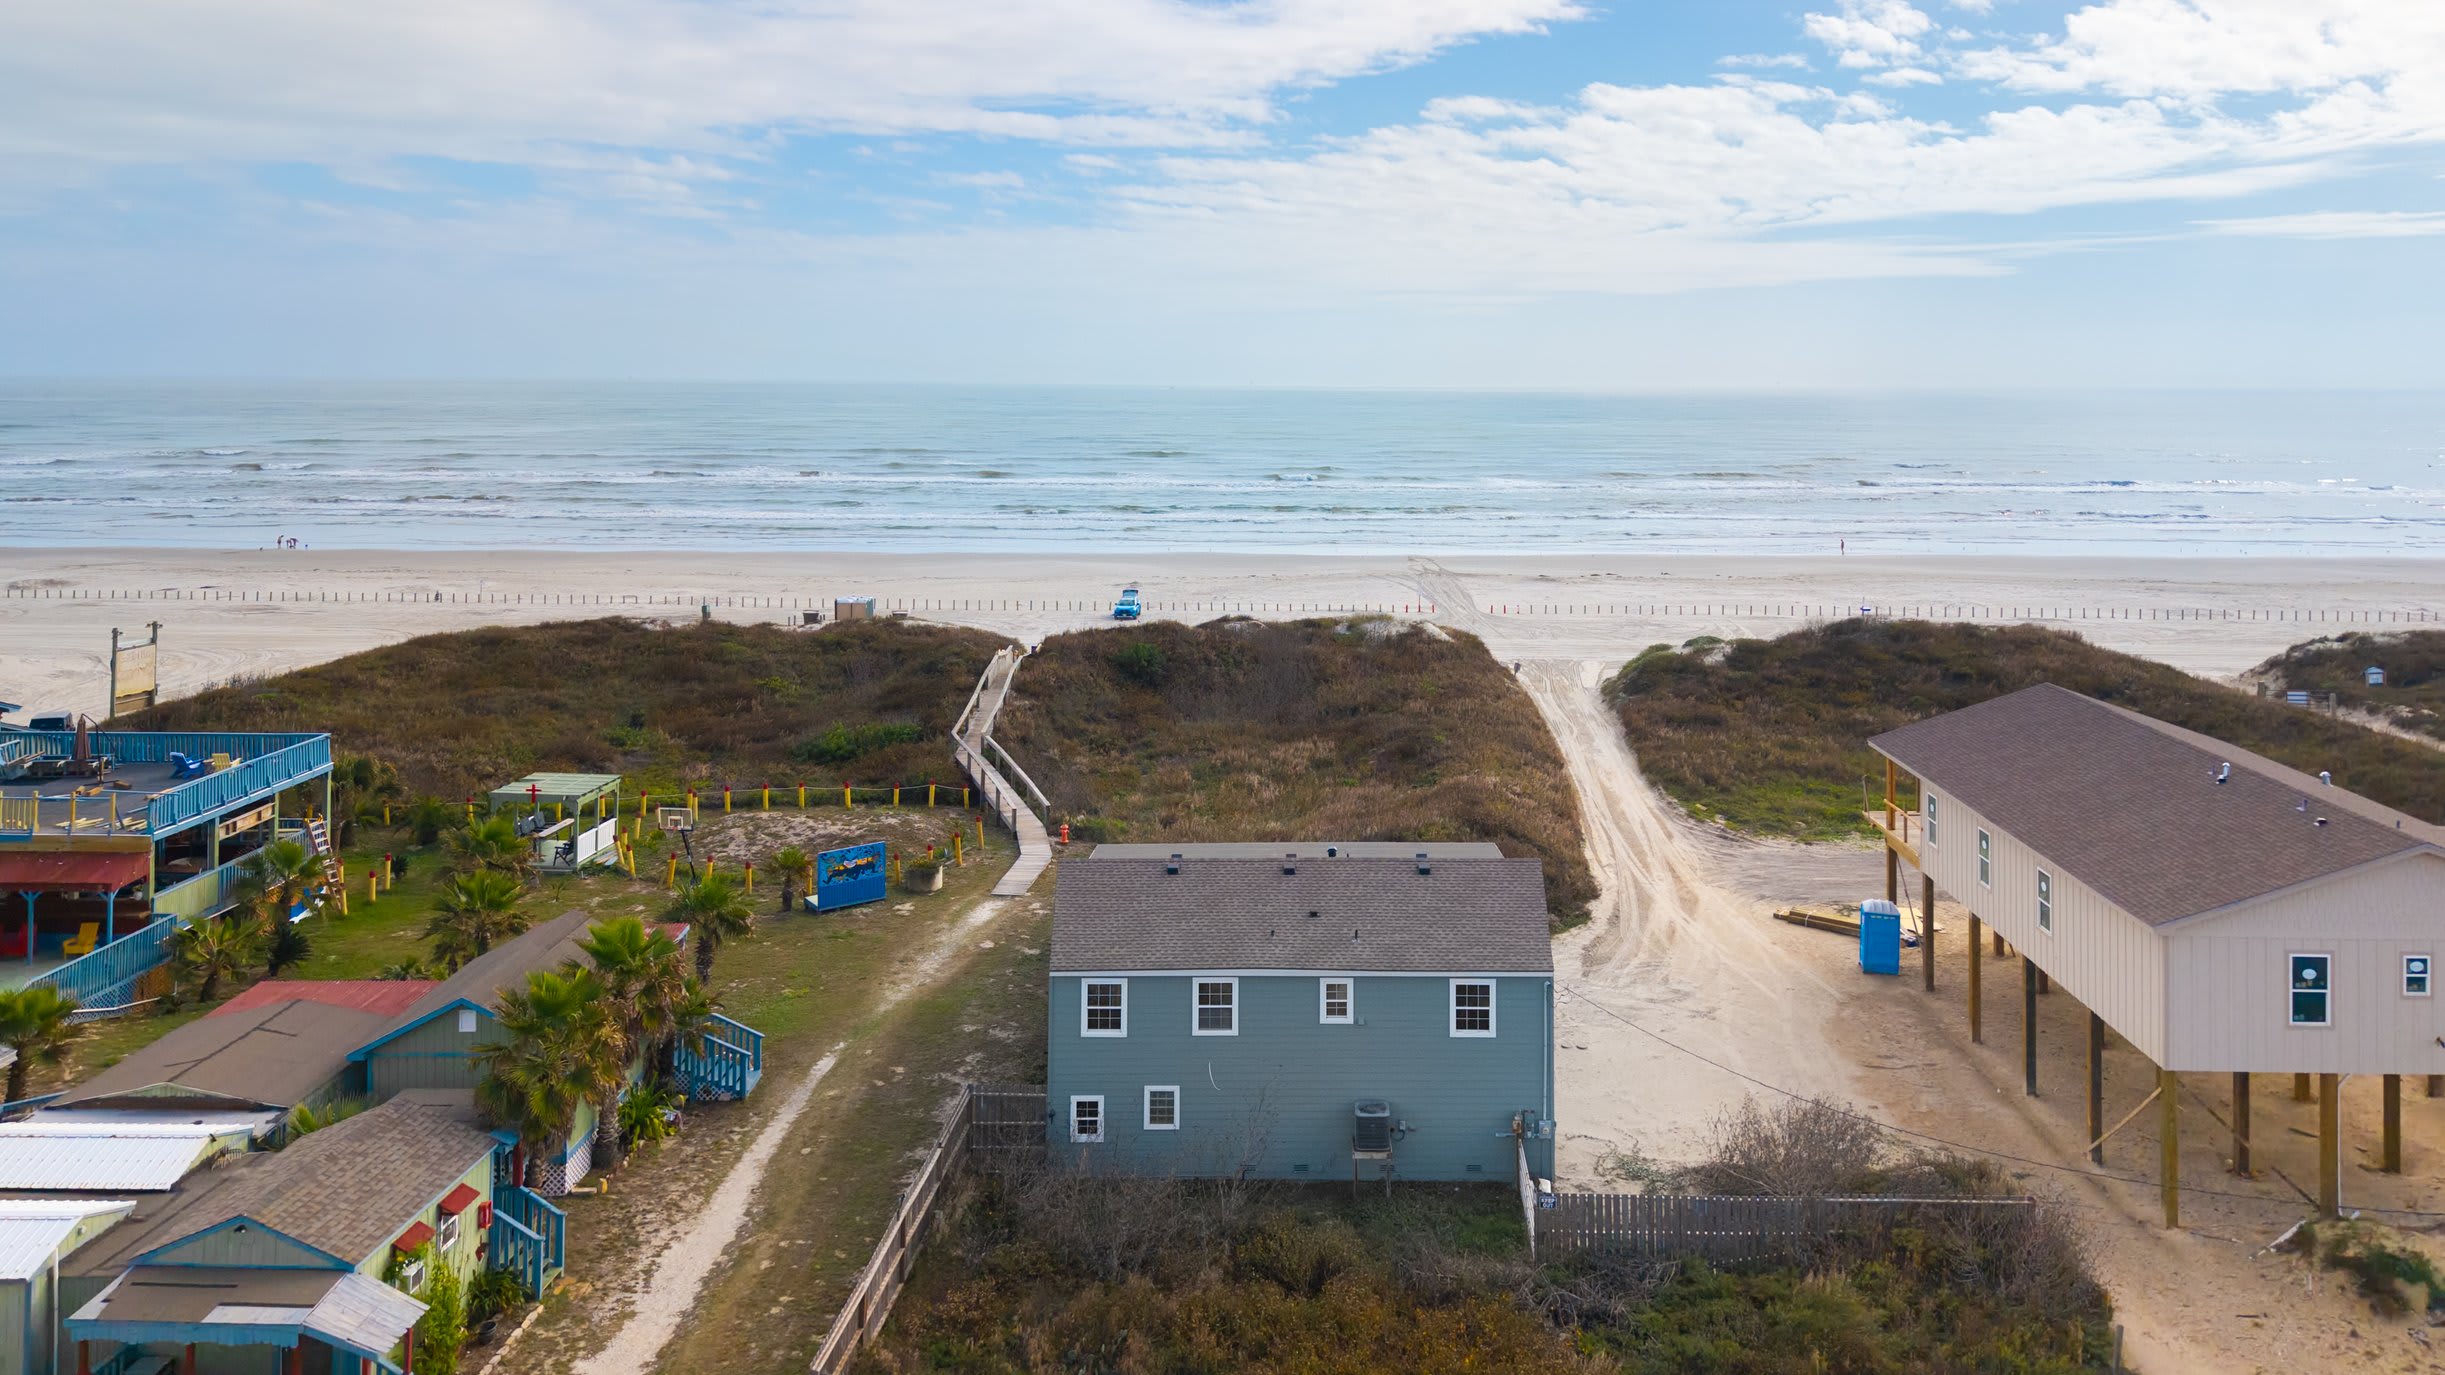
(994, 1128)
(1723, 1229)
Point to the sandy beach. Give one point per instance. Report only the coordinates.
(231, 614)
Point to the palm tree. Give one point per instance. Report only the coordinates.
(491, 844)
(644, 986)
(359, 785)
(428, 816)
(557, 1053)
(715, 910)
(34, 1023)
(797, 874)
(219, 948)
(476, 911)
(273, 882)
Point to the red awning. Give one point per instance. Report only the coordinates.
(460, 1199)
(71, 871)
(413, 1237)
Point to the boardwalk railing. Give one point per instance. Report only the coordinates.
(1722, 1229)
(529, 1237)
(108, 979)
(729, 1069)
(991, 1126)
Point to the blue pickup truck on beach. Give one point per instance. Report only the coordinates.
(1126, 609)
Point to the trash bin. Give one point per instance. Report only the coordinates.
(1880, 937)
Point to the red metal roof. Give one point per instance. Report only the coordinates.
(386, 997)
(413, 1237)
(71, 871)
(460, 1199)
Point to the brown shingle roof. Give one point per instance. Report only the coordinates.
(485, 978)
(275, 1055)
(346, 1189)
(1466, 916)
(2130, 807)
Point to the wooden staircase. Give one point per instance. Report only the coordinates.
(335, 878)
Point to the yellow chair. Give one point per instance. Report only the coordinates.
(87, 937)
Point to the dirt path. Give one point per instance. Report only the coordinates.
(667, 1293)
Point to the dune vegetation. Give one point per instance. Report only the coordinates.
(696, 705)
(2411, 698)
(1309, 730)
(1770, 736)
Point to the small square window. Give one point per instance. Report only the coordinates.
(1986, 859)
(1104, 1008)
(1217, 1008)
(466, 1021)
(1333, 1000)
(1472, 1007)
(1162, 1107)
(1087, 1119)
(2415, 976)
(2045, 901)
(446, 1236)
(2312, 995)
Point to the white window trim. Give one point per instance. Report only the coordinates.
(1452, 1009)
(2429, 979)
(1102, 1125)
(1149, 1108)
(2329, 990)
(1083, 985)
(1202, 979)
(466, 1021)
(1986, 859)
(1349, 1000)
(1927, 809)
(2045, 897)
(445, 1236)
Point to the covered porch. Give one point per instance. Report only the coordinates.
(571, 819)
(66, 903)
(205, 1320)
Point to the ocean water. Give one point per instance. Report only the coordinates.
(527, 465)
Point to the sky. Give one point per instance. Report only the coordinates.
(1586, 194)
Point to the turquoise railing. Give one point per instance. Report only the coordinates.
(106, 979)
(529, 1238)
(204, 895)
(730, 1066)
(266, 764)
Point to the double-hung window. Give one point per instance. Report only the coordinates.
(1162, 1107)
(446, 1236)
(2415, 976)
(1217, 1008)
(1103, 1008)
(1928, 805)
(2045, 901)
(1986, 859)
(1472, 1007)
(2312, 995)
(1333, 1001)
(1087, 1118)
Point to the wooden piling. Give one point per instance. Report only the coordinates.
(2300, 1088)
(1927, 930)
(2029, 1026)
(2436, 1085)
(2241, 1124)
(2390, 1157)
(2169, 1144)
(2096, 1088)
(1977, 1032)
(2330, 1144)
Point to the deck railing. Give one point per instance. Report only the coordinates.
(266, 763)
(204, 895)
(307, 757)
(729, 1068)
(529, 1237)
(106, 979)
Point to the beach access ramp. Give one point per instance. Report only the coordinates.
(1021, 806)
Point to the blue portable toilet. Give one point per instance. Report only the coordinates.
(1880, 937)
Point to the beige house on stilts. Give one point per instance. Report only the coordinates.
(2218, 911)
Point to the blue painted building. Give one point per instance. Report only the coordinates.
(1301, 1012)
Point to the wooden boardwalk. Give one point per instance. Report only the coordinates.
(989, 766)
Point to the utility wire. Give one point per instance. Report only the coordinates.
(2137, 1181)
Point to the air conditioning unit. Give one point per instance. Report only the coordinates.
(1371, 1125)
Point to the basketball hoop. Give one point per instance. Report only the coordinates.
(676, 820)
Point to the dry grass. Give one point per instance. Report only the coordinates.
(699, 705)
(1771, 735)
(2412, 696)
(1312, 730)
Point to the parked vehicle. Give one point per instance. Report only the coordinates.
(1127, 608)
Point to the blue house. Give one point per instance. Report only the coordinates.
(1375, 1010)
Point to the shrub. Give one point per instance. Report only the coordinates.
(494, 1292)
(843, 743)
(1140, 662)
(443, 1328)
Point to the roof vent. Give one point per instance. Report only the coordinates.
(2321, 821)
(1423, 866)
(1353, 935)
(1172, 865)
(2224, 773)
(2326, 778)
(1332, 852)
(1287, 866)
(1312, 914)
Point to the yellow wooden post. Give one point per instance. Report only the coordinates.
(844, 795)
(958, 855)
(751, 880)
(471, 809)
(802, 797)
(929, 794)
(373, 886)
(386, 814)
(963, 797)
(556, 811)
(670, 879)
(725, 799)
(895, 794)
(980, 830)
(768, 797)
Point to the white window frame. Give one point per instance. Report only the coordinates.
(1927, 808)
(1349, 1000)
(2045, 899)
(1083, 986)
(1453, 1020)
(445, 1236)
(1102, 1126)
(1986, 859)
(2327, 992)
(1148, 1120)
(1197, 988)
(466, 1021)
(2426, 974)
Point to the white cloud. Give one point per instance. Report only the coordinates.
(1870, 33)
(267, 80)
(2203, 49)
(2335, 224)
(1791, 60)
